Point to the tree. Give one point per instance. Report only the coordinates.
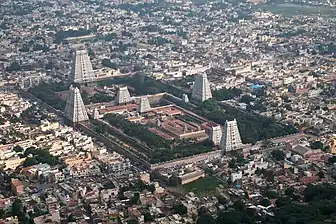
(246, 99)
(222, 200)
(283, 201)
(30, 162)
(319, 192)
(320, 174)
(121, 195)
(18, 148)
(132, 221)
(151, 188)
(148, 217)
(71, 218)
(271, 194)
(18, 210)
(205, 219)
(90, 52)
(40, 156)
(180, 209)
(2, 214)
(24, 48)
(233, 217)
(332, 160)
(174, 180)
(232, 163)
(14, 66)
(47, 93)
(135, 200)
(289, 191)
(278, 155)
(226, 94)
(100, 97)
(110, 36)
(108, 63)
(265, 202)
(317, 145)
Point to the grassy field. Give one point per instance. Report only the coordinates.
(294, 10)
(206, 185)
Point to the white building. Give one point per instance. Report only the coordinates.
(82, 71)
(231, 139)
(236, 176)
(216, 135)
(143, 105)
(201, 90)
(123, 96)
(75, 110)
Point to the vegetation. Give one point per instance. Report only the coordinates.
(317, 145)
(100, 97)
(114, 81)
(138, 186)
(226, 94)
(180, 209)
(157, 148)
(318, 207)
(278, 155)
(19, 211)
(14, 66)
(108, 63)
(148, 217)
(246, 99)
(137, 130)
(205, 217)
(9, 117)
(296, 9)
(158, 41)
(39, 156)
(63, 34)
(110, 36)
(253, 128)
(147, 85)
(47, 93)
(206, 185)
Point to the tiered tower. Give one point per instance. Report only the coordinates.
(185, 98)
(82, 71)
(201, 90)
(75, 110)
(123, 96)
(216, 135)
(231, 139)
(143, 105)
(96, 114)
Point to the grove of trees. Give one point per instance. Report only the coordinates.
(39, 156)
(47, 93)
(161, 149)
(317, 207)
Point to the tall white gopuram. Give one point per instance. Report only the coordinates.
(143, 105)
(216, 135)
(82, 71)
(123, 96)
(96, 114)
(185, 98)
(231, 139)
(75, 110)
(201, 90)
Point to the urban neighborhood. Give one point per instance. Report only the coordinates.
(168, 111)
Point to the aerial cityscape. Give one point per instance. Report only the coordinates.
(168, 111)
